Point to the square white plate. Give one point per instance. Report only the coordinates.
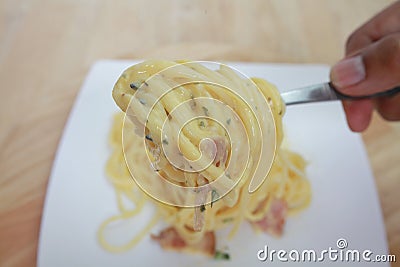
(344, 202)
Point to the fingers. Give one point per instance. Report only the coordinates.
(384, 23)
(358, 114)
(375, 68)
(372, 65)
(389, 107)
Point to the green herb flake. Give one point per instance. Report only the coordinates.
(193, 102)
(202, 208)
(226, 220)
(134, 86)
(228, 121)
(148, 137)
(219, 255)
(142, 101)
(165, 141)
(214, 196)
(205, 110)
(202, 124)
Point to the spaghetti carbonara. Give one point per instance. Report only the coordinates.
(199, 143)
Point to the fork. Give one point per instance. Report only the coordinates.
(327, 92)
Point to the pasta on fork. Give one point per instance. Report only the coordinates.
(203, 144)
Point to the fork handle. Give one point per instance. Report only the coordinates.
(326, 92)
(388, 93)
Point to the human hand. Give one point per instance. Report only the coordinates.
(371, 65)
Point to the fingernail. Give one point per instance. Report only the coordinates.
(347, 72)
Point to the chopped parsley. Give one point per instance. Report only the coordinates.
(148, 137)
(202, 124)
(142, 101)
(134, 86)
(205, 110)
(219, 255)
(193, 102)
(202, 208)
(226, 220)
(165, 141)
(214, 196)
(228, 121)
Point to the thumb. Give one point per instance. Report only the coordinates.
(372, 69)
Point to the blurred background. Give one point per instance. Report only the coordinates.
(48, 46)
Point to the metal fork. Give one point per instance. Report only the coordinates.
(326, 92)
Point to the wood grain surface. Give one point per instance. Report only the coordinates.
(47, 47)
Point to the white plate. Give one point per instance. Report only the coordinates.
(79, 197)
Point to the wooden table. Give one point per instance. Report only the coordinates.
(47, 47)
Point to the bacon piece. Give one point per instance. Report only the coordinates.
(169, 239)
(222, 152)
(274, 221)
(216, 149)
